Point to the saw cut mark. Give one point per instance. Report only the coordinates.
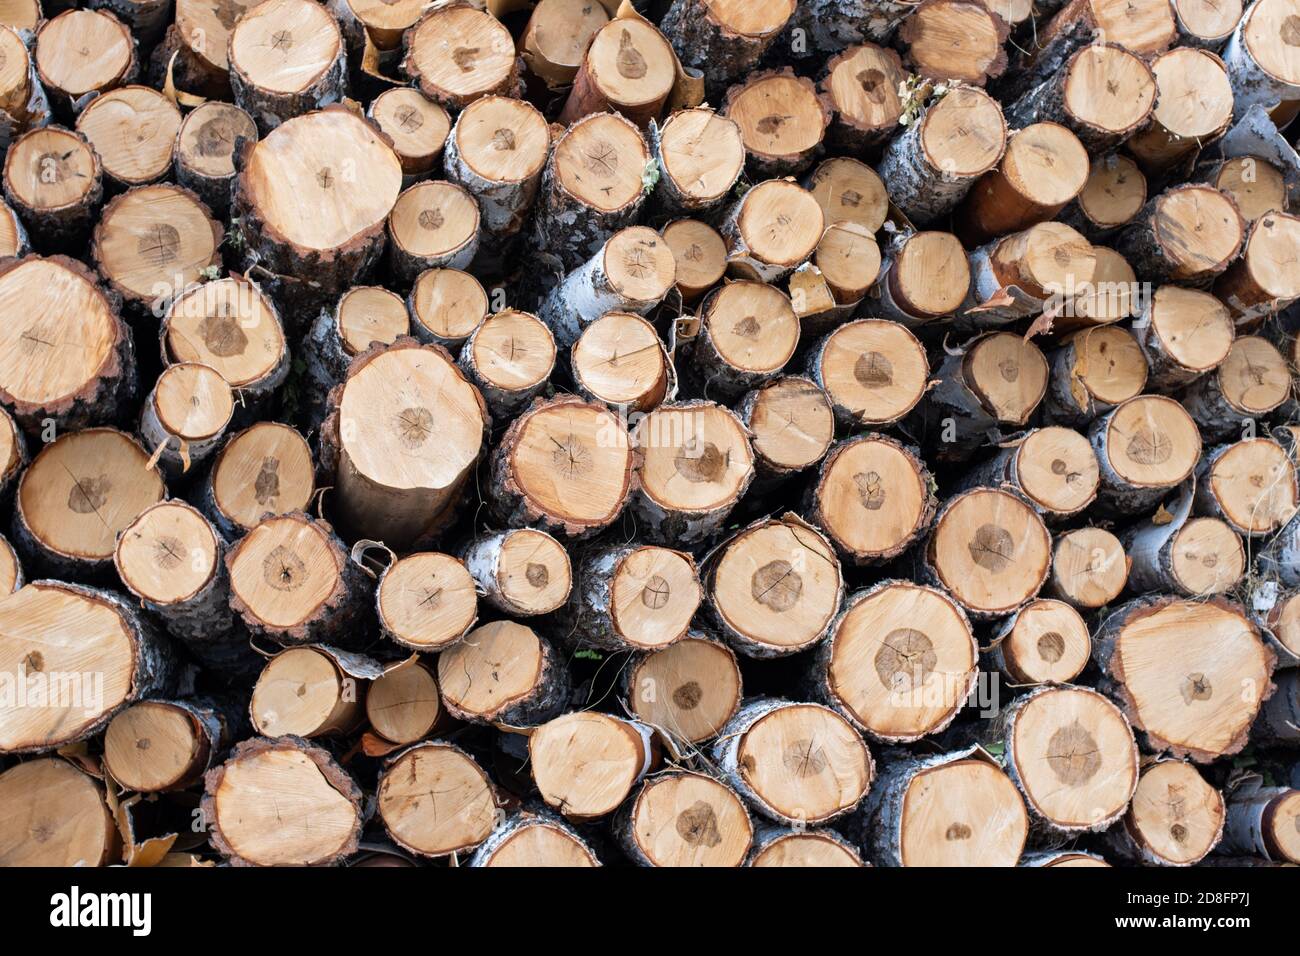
(283, 570)
(804, 758)
(1073, 755)
(905, 659)
(992, 548)
(777, 585)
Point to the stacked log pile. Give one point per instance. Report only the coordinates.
(666, 433)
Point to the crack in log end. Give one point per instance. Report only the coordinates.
(777, 585)
(698, 825)
(283, 570)
(656, 593)
(905, 659)
(215, 137)
(572, 457)
(1196, 687)
(871, 490)
(1073, 755)
(168, 552)
(282, 41)
(160, 245)
(601, 159)
(414, 426)
(409, 119)
(222, 335)
(709, 465)
(992, 548)
(431, 219)
(88, 495)
(1149, 446)
(503, 140)
(804, 758)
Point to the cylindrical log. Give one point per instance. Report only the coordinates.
(632, 597)
(748, 332)
(926, 276)
(791, 423)
(531, 839)
(1188, 557)
(1183, 334)
(403, 705)
(688, 690)
(266, 469)
(701, 256)
(1206, 23)
(684, 818)
(503, 673)
(456, 54)
(846, 264)
(1176, 818)
(1279, 719)
(629, 68)
(195, 47)
(1092, 372)
(849, 190)
(586, 763)
(1260, 67)
(497, 151)
(1250, 484)
(1262, 821)
(1113, 196)
(522, 572)
(1193, 109)
(700, 155)
(14, 242)
(1110, 297)
(1024, 274)
(1255, 184)
(13, 453)
(1089, 568)
(53, 178)
(1277, 613)
(1144, 447)
(204, 153)
(788, 846)
(620, 360)
(69, 76)
(861, 88)
(446, 305)
(873, 371)
(426, 601)
(146, 18)
(555, 37)
(1044, 642)
(774, 589)
(159, 745)
(417, 126)
(771, 230)
(1251, 382)
(782, 122)
(22, 98)
(509, 358)
(435, 800)
(312, 691)
(133, 129)
(724, 39)
(287, 58)
(1188, 234)
(433, 225)
(1259, 284)
(959, 40)
(11, 571)
(1052, 468)
(46, 797)
(1064, 858)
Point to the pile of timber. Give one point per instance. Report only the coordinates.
(668, 433)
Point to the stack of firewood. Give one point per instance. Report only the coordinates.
(691, 433)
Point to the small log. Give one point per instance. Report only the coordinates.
(632, 272)
(846, 264)
(382, 23)
(1277, 613)
(861, 88)
(1188, 234)
(1206, 23)
(433, 225)
(291, 580)
(446, 305)
(1043, 642)
(67, 76)
(503, 673)
(497, 151)
(1115, 193)
(791, 423)
(1089, 568)
(1027, 273)
(700, 155)
(954, 809)
(774, 588)
(1190, 674)
(1183, 334)
(1176, 818)
(509, 358)
(695, 464)
(629, 68)
(1063, 858)
(401, 456)
(482, 59)
(435, 800)
(684, 818)
(1250, 484)
(557, 34)
(782, 122)
(402, 704)
(930, 166)
(1279, 719)
(849, 191)
(586, 763)
(1177, 132)
(1257, 286)
(266, 469)
(1145, 446)
(1052, 468)
(195, 47)
(204, 155)
(417, 126)
(632, 597)
(1256, 185)
(426, 601)
(287, 58)
(619, 360)
(926, 276)
(315, 820)
(748, 333)
(563, 466)
(771, 230)
(787, 846)
(161, 745)
(53, 179)
(1092, 372)
(1262, 822)
(724, 40)
(15, 244)
(22, 99)
(45, 796)
(527, 838)
(147, 19)
(1188, 557)
(1251, 382)
(782, 779)
(1259, 66)
(923, 661)
(522, 572)
(1112, 296)
(873, 498)
(687, 690)
(11, 572)
(13, 454)
(78, 493)
(108, 655)
(990, 550)
(133, 129)
(955, 40)
(701, 256)
(1042, 170)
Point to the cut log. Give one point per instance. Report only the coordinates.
(159, 745)
(1115, 193)
(1111, 297)
(700, 155)
(695, 464)
(306, 692)
(926, 276)
(433, 225)
(14, 242)
(312, 199)
(791, 423)
(932, 164)
(406, 431)
(314, 819)
(1189, 557)
(68, 76)
(523, 572)
(1145, 446)
(1071, 753)
(632, 272)
(481, 59)
(287, 58)
(1190, 674)
(782, 122)
(1062, 858)
(426, 601)
(592, 187)
(1043, 168)
(620, 360)
(65, 806)
(496, 152)
(417, 126)
(990, 550)
(529, 839)
(1250, 484)
(1206, 23)
(900, 661)
(873, 497)
(701, 256)
(266, 469)
(1260, 64)
(1103, 93)
(1089, 568)
(1262, 821)
(22, 99)
(957, 40)
(509, 358)
(1175, 820)
(1040, 269)
(787, 846)
(78, 493)
(632, 597)
(724, 39)
(1194, 109)
(68, 359)
(774, 589)
(153, 242)
(955, 809)
(688, 690)
(146, 18)
(434, 800)
(748, 332)
(586, 763)
(196, 45)
(402, 705)
(846, 264)
(861, 88)
(1279, 720)
(13, 454)
(1093, 371)
(1251, 382)
(1052, 468)
(1183, 334)
(629, 68)
(683, 818)
(1188, 234)
(1277, 613)
(556, 36)
(795, 764)
(379, 23)
(75, 656)
(1044, 642)
(1255, 184)
(11, 572)
(503, 673)
(291, 580)
(563, 466)
(204, 154)
(1259, 284)
(133, 129)
(53, 178)
(849, 191)
(446, 305)
(771, 230)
